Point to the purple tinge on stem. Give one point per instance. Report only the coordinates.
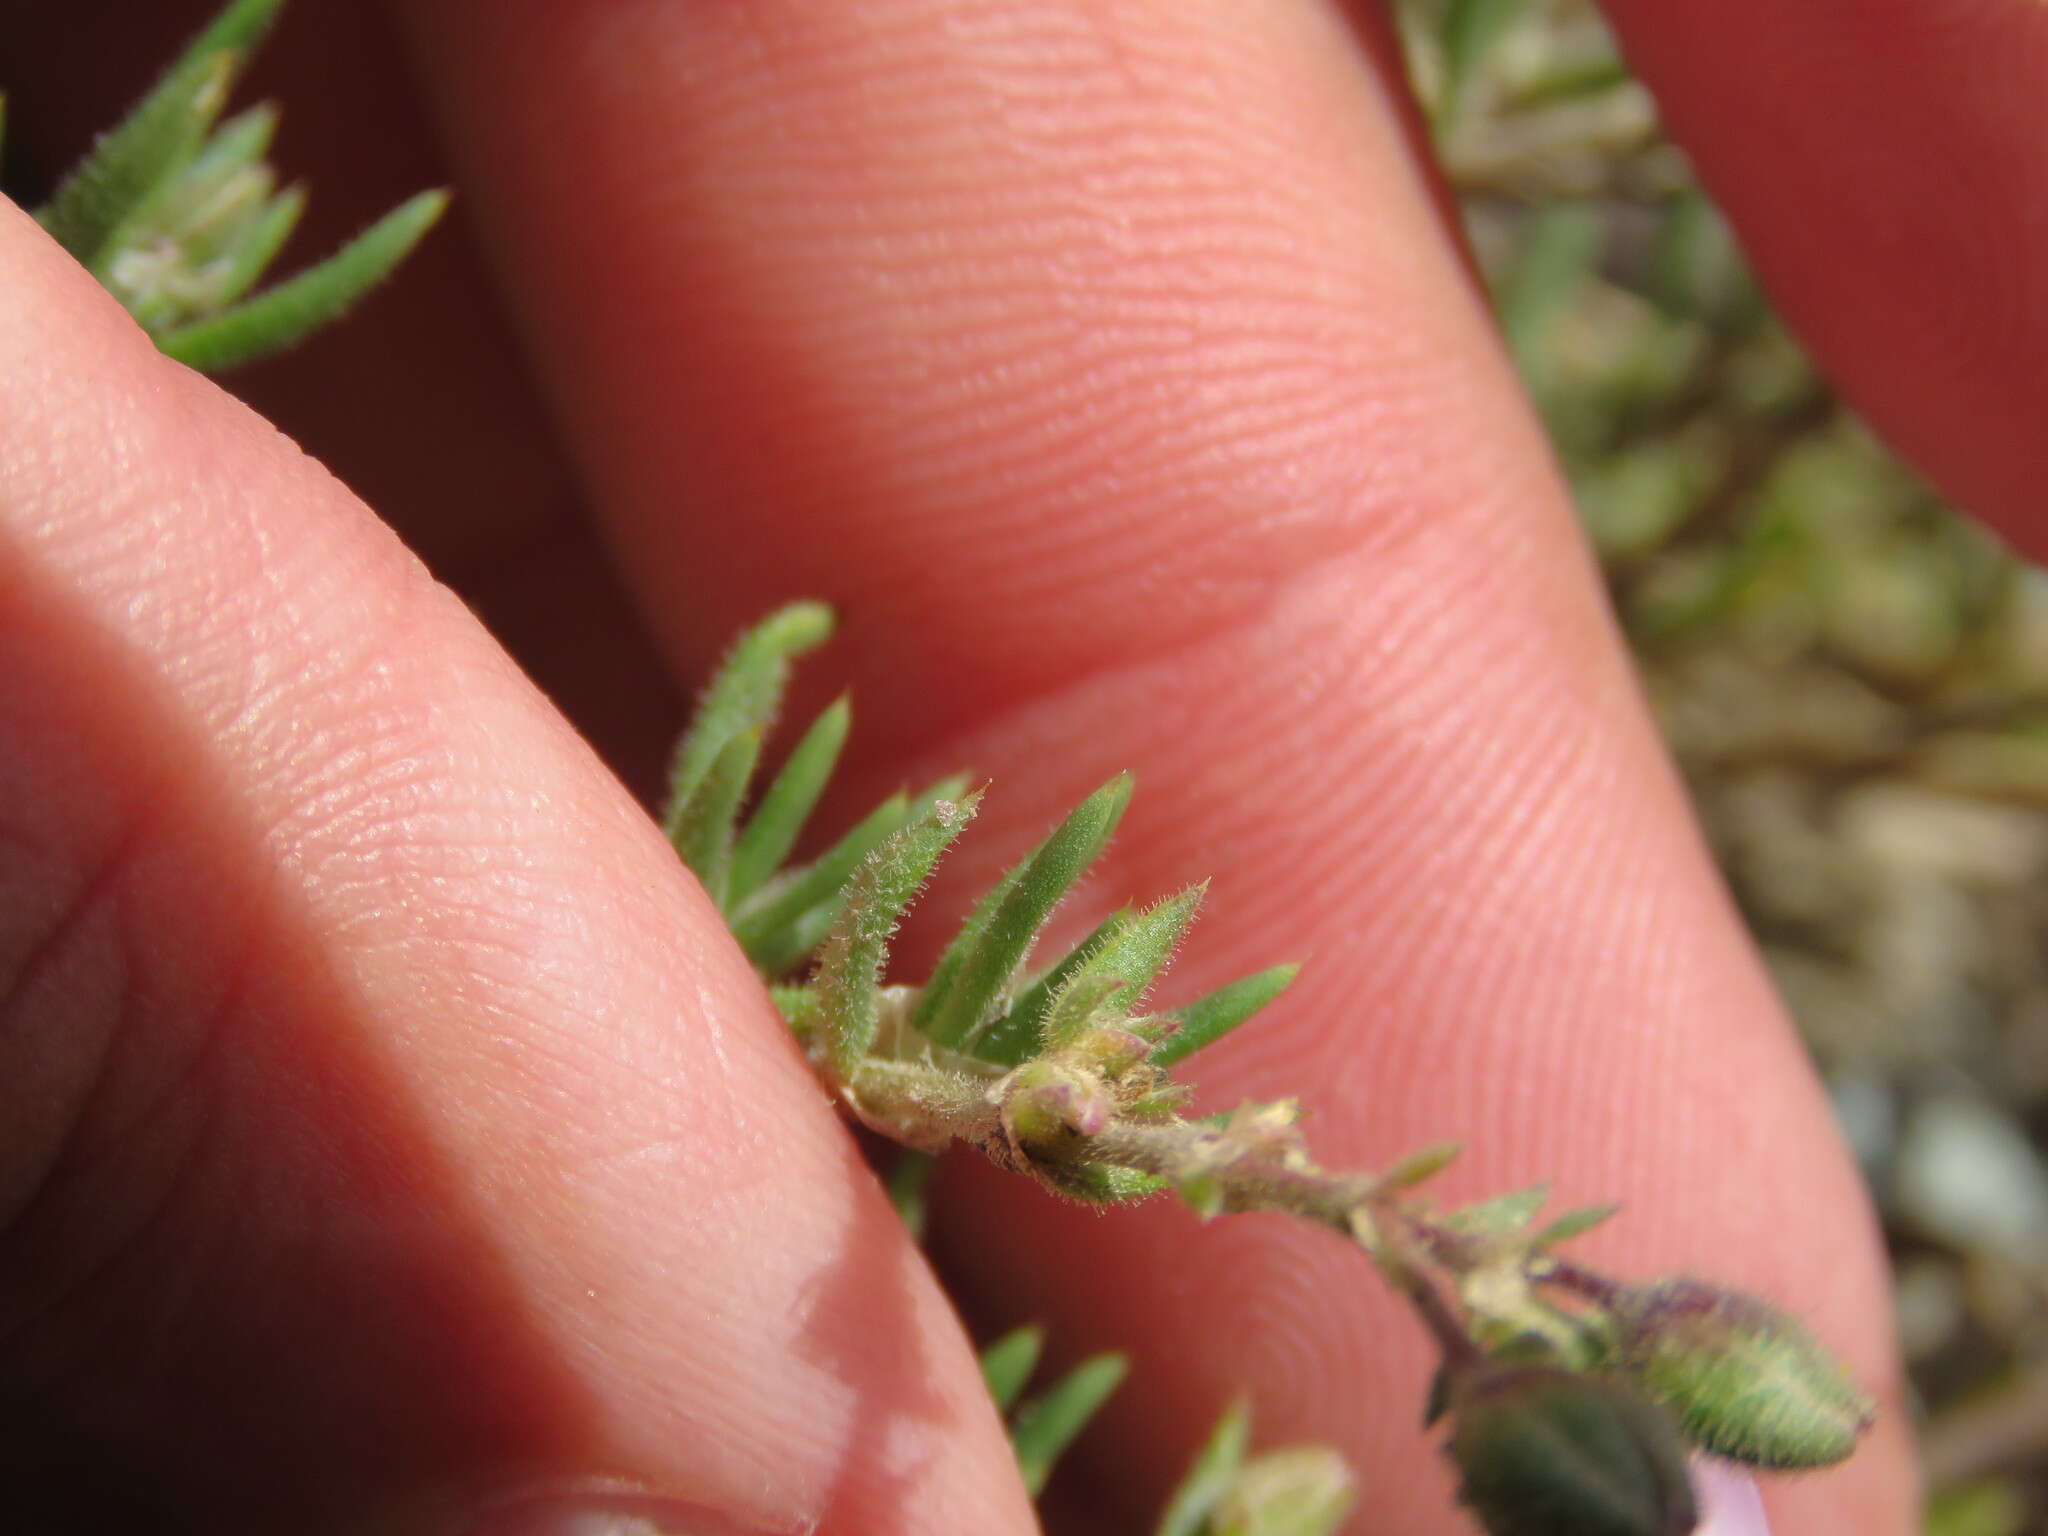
(1729, 1502)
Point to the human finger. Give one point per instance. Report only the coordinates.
(1887, 171)
(1116, 375)
(390, 1138)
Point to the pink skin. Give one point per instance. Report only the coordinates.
(389, 1115)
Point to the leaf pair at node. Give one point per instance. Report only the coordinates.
(983, 1003)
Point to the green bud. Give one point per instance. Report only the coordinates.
(1044, 1101)
(1544, 1452)
(1746, 1381)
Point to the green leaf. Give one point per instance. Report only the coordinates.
(1421, 1165)
(239, 28)
(772, 923)
(1573, 1223)
(1502, 1214)
(129, 167)
(237, 144)
(1111, 978)
(745, 693)
(278, 317)
(703, 832)
(1209, 1018)
(1007, 1364)
(945, 976)
(850, 964)
(961, 995)
(1130, 960)
(1210, 1476)
(1046, 1426)
(1027, 1008)
(780, 924)
(789, 800)
(256, 244)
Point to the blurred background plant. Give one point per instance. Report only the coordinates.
(1854, 680)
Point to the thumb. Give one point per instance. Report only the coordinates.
(389, 1138)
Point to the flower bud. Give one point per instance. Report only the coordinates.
(1544, 1452)
(1746, 1381)
(1043, 1100)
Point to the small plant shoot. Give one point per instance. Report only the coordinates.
(1573, 1397)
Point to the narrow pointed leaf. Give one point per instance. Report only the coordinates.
(1129, 961)
(161, 133)
(1573, 1223)
(784, 921)
(850, 964)
(1007, 1364)
(130, 166)
(768, 925)
(788, 801)
(745, 693)
(945, 977)
(240, 142)
(240, 27)
(1027, 1009)
(279, 317)
(1421, 1165)
(703, 834)
(1089, 995)
(1209, 1018)
(1045, 877)
(1502, 1214)
(1209, 1478)
(1111, 978)
(1046, 1426)
(257, 243)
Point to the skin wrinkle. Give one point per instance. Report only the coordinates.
(459, 846)
(761, 257)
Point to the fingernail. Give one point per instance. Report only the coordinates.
(1729, 1502)
(616, 1514)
